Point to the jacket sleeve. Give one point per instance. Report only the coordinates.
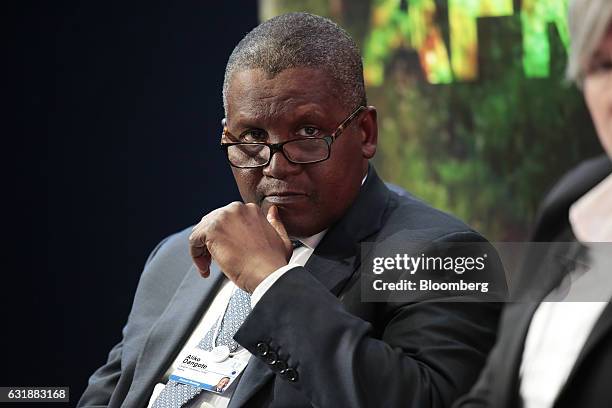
(103, 381)
(419, 354)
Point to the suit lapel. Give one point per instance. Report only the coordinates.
(337, 256)
(333, 262)
(600, 330)
(545, 278)
(541, 279)
(172, 329)
(520, 318)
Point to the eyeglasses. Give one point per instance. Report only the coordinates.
(306, 150)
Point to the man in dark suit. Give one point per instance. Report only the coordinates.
(298, 135)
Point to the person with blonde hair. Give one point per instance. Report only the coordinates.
(557, 351)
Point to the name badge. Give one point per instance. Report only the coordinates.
(212, 371)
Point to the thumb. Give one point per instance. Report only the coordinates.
(274, 220)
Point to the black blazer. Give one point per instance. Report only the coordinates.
(314, 341)
(588, 384)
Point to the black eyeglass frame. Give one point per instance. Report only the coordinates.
(278, 147)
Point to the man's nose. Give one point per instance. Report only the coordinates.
(279, 167)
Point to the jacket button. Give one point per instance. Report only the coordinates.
(280, 365)
(289, 374)
(270, 357)
(262, 348)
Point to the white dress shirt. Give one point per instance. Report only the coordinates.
(559, 329)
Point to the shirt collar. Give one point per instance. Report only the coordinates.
(312, 241)
(364, 179)
(590, 216)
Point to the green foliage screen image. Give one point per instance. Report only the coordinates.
(475, 116)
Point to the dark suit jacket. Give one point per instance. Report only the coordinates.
(588, 384)
(314, 342)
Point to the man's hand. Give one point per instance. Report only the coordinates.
(247, 245)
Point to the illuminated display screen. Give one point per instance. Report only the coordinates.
(415, 27)
(474, 114)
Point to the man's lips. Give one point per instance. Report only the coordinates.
(284, 197)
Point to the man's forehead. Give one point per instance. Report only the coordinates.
(292, 111)
(254, 93)
(249, 77)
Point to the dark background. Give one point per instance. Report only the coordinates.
(109, 145)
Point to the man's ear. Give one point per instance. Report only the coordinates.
(224, 127)
(368, 125)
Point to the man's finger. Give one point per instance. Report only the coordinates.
(274, 220)
(200, 255)
(202, 262)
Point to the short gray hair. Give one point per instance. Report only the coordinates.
(588, 22)
(302, 40)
